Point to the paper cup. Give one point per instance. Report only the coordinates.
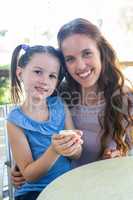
(68, 132)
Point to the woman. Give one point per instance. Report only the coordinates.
(97, 91)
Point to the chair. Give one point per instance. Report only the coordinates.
(7, 186)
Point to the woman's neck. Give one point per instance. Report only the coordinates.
(91, 96)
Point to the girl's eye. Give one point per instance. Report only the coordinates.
(38, 72)
(52, 76)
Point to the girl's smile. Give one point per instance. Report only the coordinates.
(40, 77)
(41, 90)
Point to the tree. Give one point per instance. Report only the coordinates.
(126, 18)
(3, 32)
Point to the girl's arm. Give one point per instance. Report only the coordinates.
(30, 169)
(68, 145)
(78, 144)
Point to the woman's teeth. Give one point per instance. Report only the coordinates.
(85, 74)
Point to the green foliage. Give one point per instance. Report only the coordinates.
(4, 85)
(4, 90)
(3, 32)
(26, 40)
(6, 66)
(126, 18)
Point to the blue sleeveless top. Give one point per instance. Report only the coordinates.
(39, 135)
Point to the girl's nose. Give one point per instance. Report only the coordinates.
(44, 80)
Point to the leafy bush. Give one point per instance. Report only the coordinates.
(5, 66)
(4, 84)
(4, 90)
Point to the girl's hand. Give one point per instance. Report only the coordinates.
(67, 144)
(17, 177)
(111, 153)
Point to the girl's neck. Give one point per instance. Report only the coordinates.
(35, 104)
(36, 110)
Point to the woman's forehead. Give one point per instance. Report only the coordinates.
(76, 43)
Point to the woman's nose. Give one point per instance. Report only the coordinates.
(81, 65)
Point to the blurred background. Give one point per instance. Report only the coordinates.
(38, 21)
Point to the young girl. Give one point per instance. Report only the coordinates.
(40, 156)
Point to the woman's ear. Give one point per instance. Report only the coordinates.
(19, 73)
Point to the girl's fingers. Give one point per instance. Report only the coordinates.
(72, 150)
(70, 142)
(65, 144)
(64, 139)
(60, 136)
(67, 148)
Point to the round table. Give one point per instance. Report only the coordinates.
(102, 180)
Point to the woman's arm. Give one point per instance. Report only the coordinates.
(111, 153)
(30, 169)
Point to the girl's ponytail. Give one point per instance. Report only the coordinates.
(16, 88)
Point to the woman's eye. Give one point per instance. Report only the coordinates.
(53, 76)
(87, 53)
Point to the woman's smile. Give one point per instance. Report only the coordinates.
(86, 74)
(82, 58)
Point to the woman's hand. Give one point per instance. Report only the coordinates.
(67, 145)
(17, 177)
(111, 153)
